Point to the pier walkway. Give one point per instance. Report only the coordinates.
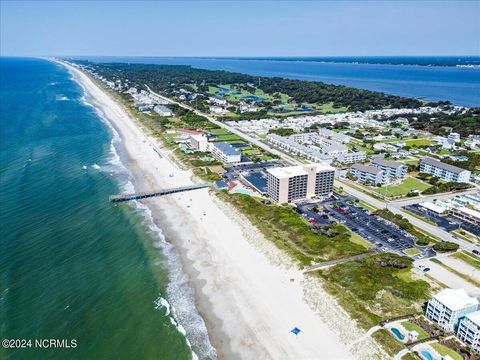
(148, 194)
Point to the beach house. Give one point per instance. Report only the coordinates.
(449, 306)
(469, 330)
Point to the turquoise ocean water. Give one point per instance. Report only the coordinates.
(74, 266)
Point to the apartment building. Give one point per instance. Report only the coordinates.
(368, 174)
(444, 171)
(225, 152)
(351, 157)
(449, 306)
(391, 168)
(469, 330)
(286, 184)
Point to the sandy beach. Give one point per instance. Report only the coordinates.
(249, 294)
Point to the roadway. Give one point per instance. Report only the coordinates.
(393, 207)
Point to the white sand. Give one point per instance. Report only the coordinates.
(242, 282)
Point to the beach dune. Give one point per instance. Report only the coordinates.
(249, 294)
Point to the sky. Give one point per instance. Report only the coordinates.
(234, 28)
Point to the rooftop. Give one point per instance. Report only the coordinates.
(226, 148)
(474, 317)
(366, 168)
(434, 162)
(455, 299)
(469, 211)
(387, 163)
(290, 171)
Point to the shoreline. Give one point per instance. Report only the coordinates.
(228, 275)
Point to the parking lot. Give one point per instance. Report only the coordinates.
(383, 234)
(446, 222)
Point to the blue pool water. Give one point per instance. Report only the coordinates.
(426, 355)
(243, 191)
(397, 333)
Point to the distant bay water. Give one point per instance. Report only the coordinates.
(459, 85)
(73, 266)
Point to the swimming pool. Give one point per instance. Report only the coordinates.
(397, 333)
(243, 191)
(426, 355)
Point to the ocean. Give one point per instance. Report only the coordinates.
(74, 266)
(459, 85)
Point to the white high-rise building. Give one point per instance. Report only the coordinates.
(286, 184)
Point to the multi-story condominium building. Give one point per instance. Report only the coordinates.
(286, 184)
(199, 142)
(351, 157)
(392, 168)
(368, 174)
(449, 306)
(225, 152)
(444, 171)
(469, 330)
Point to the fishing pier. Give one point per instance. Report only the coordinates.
(149, 194)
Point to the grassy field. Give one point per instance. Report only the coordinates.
(419, 142)
(329, 109)
(412, 251)
(220, 131)
(292, 233)
(386, 340)
(357, 239)
(376, 287)
(401, 189)
(228, 138)
(422, 334)
(443, 350)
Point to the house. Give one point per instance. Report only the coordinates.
(444, 171)
(217, 110)
(162, 110)
(225, 152)
(368, 174)
(392, 168)
(469, 330)
(449, 306)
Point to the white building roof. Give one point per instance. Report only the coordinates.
(290, 171)
(455, 299)
(433, 207)
(475, 317)
(468, 211)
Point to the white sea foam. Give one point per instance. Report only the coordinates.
(96, 167)
(61, 98)
(186, 320)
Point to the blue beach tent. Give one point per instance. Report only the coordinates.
(295, 331)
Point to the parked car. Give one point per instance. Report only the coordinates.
(476, 252)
